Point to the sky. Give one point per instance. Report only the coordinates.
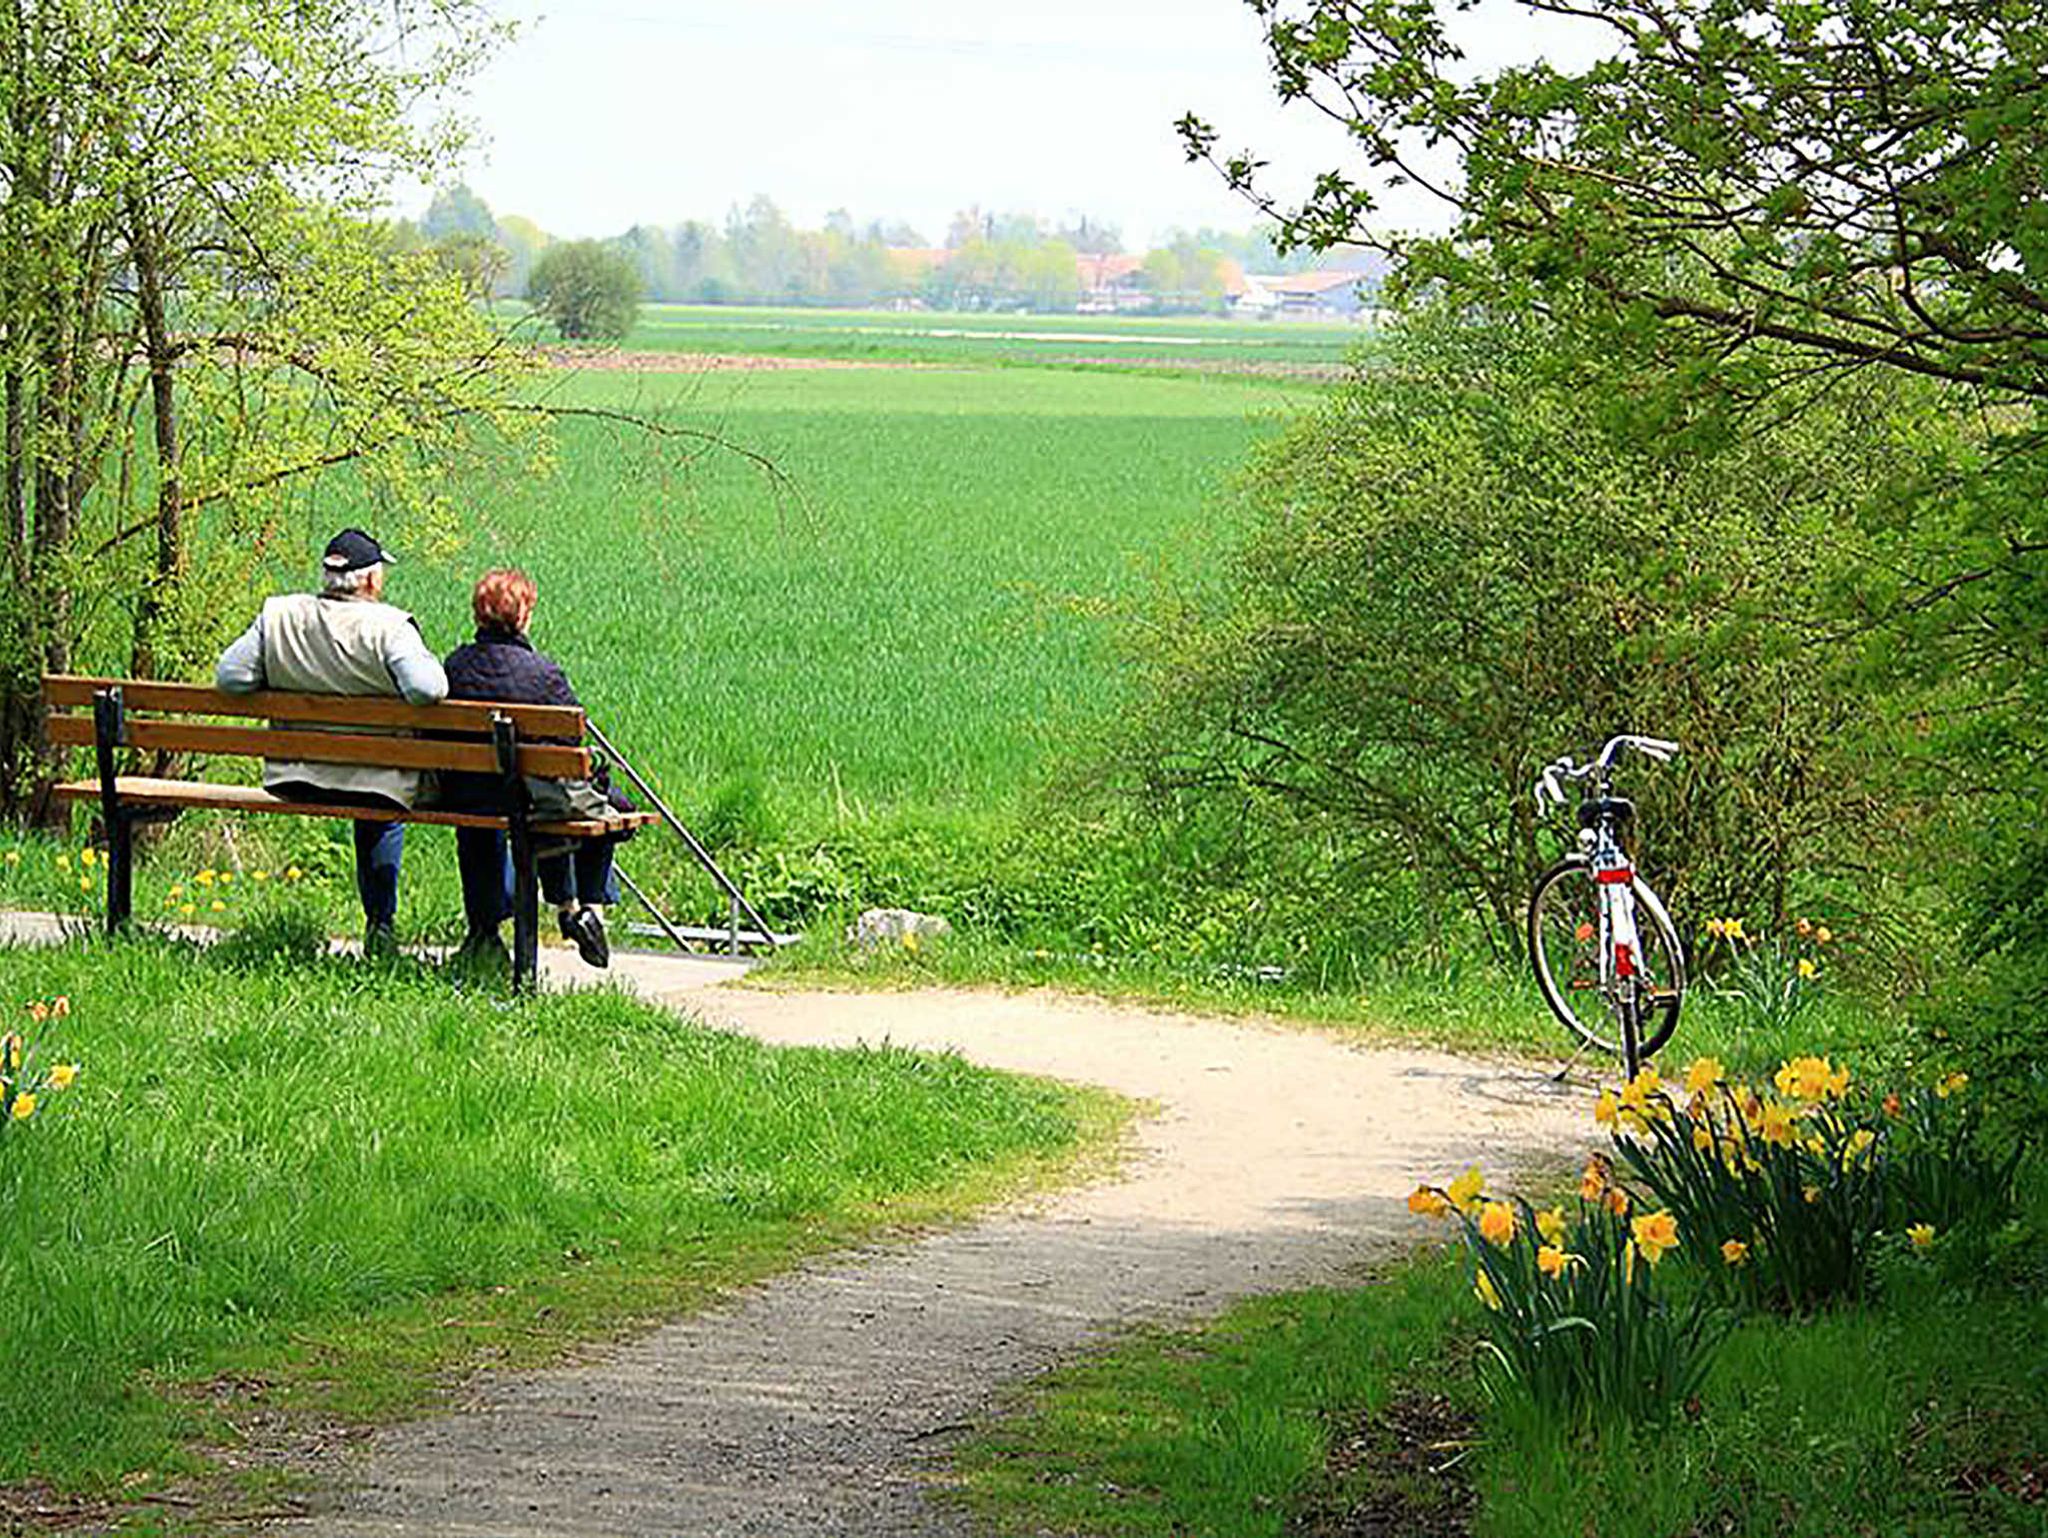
(607, 113)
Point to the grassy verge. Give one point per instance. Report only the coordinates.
(1478, 1007)
(286, 1183)
(1923, 1414)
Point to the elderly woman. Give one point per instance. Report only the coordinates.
(501, 666)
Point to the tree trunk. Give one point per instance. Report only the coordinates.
(161, 588)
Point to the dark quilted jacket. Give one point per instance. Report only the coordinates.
(502, 666)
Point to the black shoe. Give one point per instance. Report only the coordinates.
(380, 943)
(585, 926)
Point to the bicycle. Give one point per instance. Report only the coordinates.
(1607, 957)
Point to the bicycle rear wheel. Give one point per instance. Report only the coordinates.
(1564, 946)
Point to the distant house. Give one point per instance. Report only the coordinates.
(1110, 283)
(1329, 295)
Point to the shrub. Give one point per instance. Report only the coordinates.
(1576, 1322)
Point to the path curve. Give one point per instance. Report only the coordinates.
(814, 1403)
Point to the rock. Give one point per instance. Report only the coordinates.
(888, 926)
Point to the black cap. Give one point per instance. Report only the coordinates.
(352, 550)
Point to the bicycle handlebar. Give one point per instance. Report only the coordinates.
(1658, 749)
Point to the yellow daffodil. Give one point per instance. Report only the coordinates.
(1488, 1293)
(1428, 1203)
(1858, 1146)
(1654, 1234)
(86, 857)
(1551, 1260)
(62, 1076)
(1593, 1180)
(1703, 1074)
(1464, 1191)
(1824, 935)
(1812, 1195)
(1922, 1235)
(1805, 927)
(1807, 970)
(11, 1046)
(1717, 928)
(1734, 1252)
(1550, 1224)
(1811, 1078)
(1733, 929)
(1775, 1125)
(1703, 1139)
(1628, 1264)
(1497, 1224)
(85, 883)
(1604, 1109)
(1617, 1201)
(1893, 1106)
(1954, 1084)
(64, 862)
(60, 1006)
(25, 1107)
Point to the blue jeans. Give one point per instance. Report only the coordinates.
(380, 848)
(582, 874)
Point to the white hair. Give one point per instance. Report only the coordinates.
(344, 582)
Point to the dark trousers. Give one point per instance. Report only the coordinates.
(581, 874)
(380, 849)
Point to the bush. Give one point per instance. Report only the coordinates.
(1458, 569)
(589, 290)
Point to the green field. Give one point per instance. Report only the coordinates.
(887, 653)
(1185, 342)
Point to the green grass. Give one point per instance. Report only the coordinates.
(1919, 1415)
(886, 666)
(341, 1181)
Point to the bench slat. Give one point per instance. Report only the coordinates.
(555, 763)
(187, 795)
(71, 692)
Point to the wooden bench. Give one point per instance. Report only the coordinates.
(510, 742)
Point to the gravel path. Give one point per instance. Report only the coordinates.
(815, 1403)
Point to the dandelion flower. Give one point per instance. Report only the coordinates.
(1954, 1084)
(86, 856)
(60, 1006)
(177, 891)
(259, 875)
(292, 873)
(1654, 1234)
(1497, 1224)
(25, 1107)
(227, 878)
(1893, 1106)
(85, 883)
(64, 862)
(218, 906)
(205, 878)
(14, 857)
(1805, 927)
(186, 910)
(62, 1075)
(910, 941)
(1922, 1235)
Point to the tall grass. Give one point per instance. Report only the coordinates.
(262, 1148)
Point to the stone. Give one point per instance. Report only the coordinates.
(888, 926)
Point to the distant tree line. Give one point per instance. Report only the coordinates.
(758, 256)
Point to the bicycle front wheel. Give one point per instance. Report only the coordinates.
(1564, 948)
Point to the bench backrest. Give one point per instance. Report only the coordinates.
(317, 727)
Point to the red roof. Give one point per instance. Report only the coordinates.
(1313, 282)
(1097, 272)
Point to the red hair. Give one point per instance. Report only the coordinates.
(504, 599)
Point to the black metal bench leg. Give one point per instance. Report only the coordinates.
(525, 908)
(107, 730)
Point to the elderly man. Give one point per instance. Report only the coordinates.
(344, 640)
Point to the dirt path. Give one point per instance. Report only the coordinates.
(813, 1404)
